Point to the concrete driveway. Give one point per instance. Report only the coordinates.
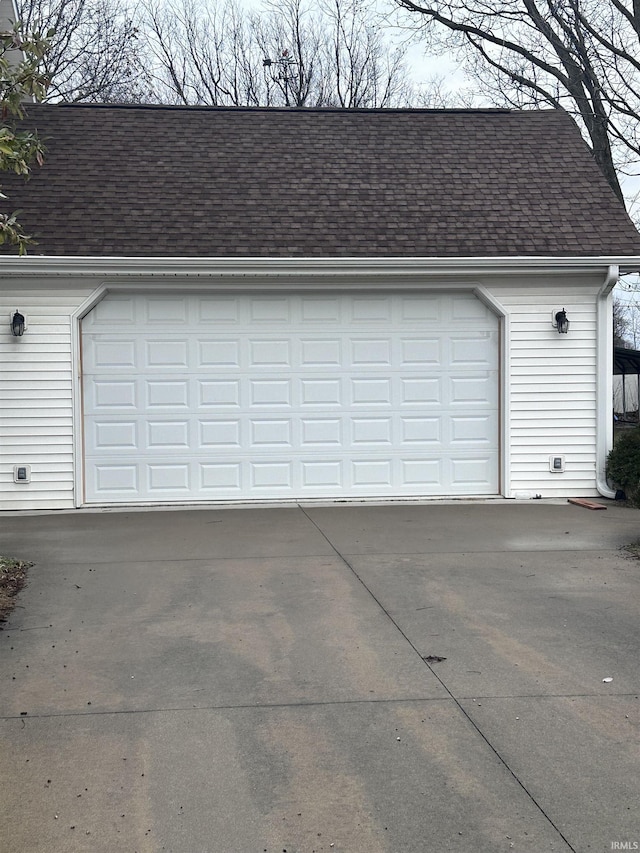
(251, 680)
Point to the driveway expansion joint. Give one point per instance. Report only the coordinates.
(253, 706)
(456, 701)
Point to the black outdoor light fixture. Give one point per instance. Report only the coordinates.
(560, 322)
(18, 324)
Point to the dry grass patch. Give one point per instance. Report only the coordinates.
(13, 576)
(633, 548)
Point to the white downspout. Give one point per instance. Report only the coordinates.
(604, 381)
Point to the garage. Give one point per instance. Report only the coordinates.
(197, 397)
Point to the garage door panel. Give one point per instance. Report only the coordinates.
(320, 393)
(173, 394)
(112, 435)
(165, 310)
(162, 353)
(371, 352)
(270, 393)
(168, 434)
(320, 353)
(271, 432)
(219, 311)
(110, 354)
(421, 353)
(470, 310)
(425, 309)
(218, 393)
(113, 311)
(322, 475)
(371, 431)
(303, 435)
(477, 389)
(421, 391)
(370, 392)
(372, 473)
(219, 433)
(269, 353)
(219, 479)
(423, 473)
(477, 351)
(218, 354)
(168, 477)
(104, 395)
(271, 475)
(471, 471)
(476, 430)
(117, 481)
(320, 432)
(421, 430)
(290, 396)
(281, 477)
(270, 310)
(370, 309)
(321, 309)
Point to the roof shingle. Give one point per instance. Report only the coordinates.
(213, 182)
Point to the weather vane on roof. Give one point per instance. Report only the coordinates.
(284, 73)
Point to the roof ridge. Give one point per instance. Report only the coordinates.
(262, 109)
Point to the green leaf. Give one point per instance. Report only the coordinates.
(20, 150)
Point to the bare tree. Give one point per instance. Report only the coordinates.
(291, 53)
(579, 55)
(627, 311)
(217, 52)
(363, 69)
(621, 322)
(199, 55)
(94, 53)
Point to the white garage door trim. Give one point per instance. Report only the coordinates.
(376, 465)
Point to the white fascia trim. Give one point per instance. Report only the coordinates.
(504, 406)
(33, 265)
(76, 393)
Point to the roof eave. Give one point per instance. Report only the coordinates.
(180, 267)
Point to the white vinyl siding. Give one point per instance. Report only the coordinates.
(36, 414)
(552, 389)
(549, 404)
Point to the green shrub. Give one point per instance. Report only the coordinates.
(623, 464)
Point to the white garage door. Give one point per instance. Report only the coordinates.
(249, 396)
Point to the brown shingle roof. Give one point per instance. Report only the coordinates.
(185, 182)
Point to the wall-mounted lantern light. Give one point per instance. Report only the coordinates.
(18, 324)
(560, 322)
